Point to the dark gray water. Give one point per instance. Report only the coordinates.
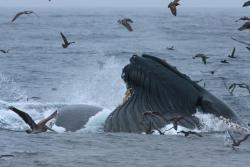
(37, 63)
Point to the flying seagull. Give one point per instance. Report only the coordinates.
(4, 51)
(246, 4)
(23, 13)
(245, 43)
(245, 26)
(187, 133)
(34, 127)
(172, 6)
(244, 18)
(236, 143)
(126, 23)
(202, 56)
(66, 42)
(232, 55)
(6, 155)
(224, 61)
(170, 48)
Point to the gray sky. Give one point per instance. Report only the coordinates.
(119, 3)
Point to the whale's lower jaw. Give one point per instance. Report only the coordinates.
(159, 87)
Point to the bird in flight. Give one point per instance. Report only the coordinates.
(232, 55)
(244, 18)
(66, 42)
(4, 51)
(246, 4)
(202, 56)
(245, 43)
(126, 23)
(236, 143)
(224, 61)
(23, 13)
(187, 133)
(245, 26)
(172, 6)
(34, 127)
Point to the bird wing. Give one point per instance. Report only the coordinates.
(231, 136)
(16, 16)
(233, 52)
(64, 38)
(231, 86)
(129, 20)
(245, 138)
(204, 60)
(245, 43)
(3, 51)
(246, 4)
(128, 26)
(44, 121)
(27, 119)
(173, 9)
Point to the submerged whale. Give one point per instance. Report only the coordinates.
(74, 117)
(159, 87)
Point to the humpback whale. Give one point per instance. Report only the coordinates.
(159, 87)
(74, 117)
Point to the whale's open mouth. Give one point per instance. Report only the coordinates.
(160, 87)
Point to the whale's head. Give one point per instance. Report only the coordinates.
(159, 87)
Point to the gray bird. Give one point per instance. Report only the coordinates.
(23, 13)
(4, 51)
(202, 56)
(126, 23)
(246, 4)
(236, 143)
(232, 55)
(66, 42)
(245, 43)
(224, 61)
(245, 26)
(172, 6)
(244, 18)
(187, 133)
(34, 127)
(170, 48)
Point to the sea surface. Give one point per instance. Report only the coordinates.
(88, 72)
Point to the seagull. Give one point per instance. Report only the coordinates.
(245, 43)
(6, 155)
(236, 143)
(186, 134)
(224, 61)
(240, 85)
(202, 56)
(246, 4)
(4, 51)
(126, 23)
(244, 18)
(245, 26)
(172, 6)
(23, 13)
(232, 54)
(170, 48)
(34, 98)
(34, 127)
(66, 42)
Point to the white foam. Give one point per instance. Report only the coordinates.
(96, 122)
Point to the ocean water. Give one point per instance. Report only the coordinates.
(88, 72)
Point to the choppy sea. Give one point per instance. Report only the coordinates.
(88, 72)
